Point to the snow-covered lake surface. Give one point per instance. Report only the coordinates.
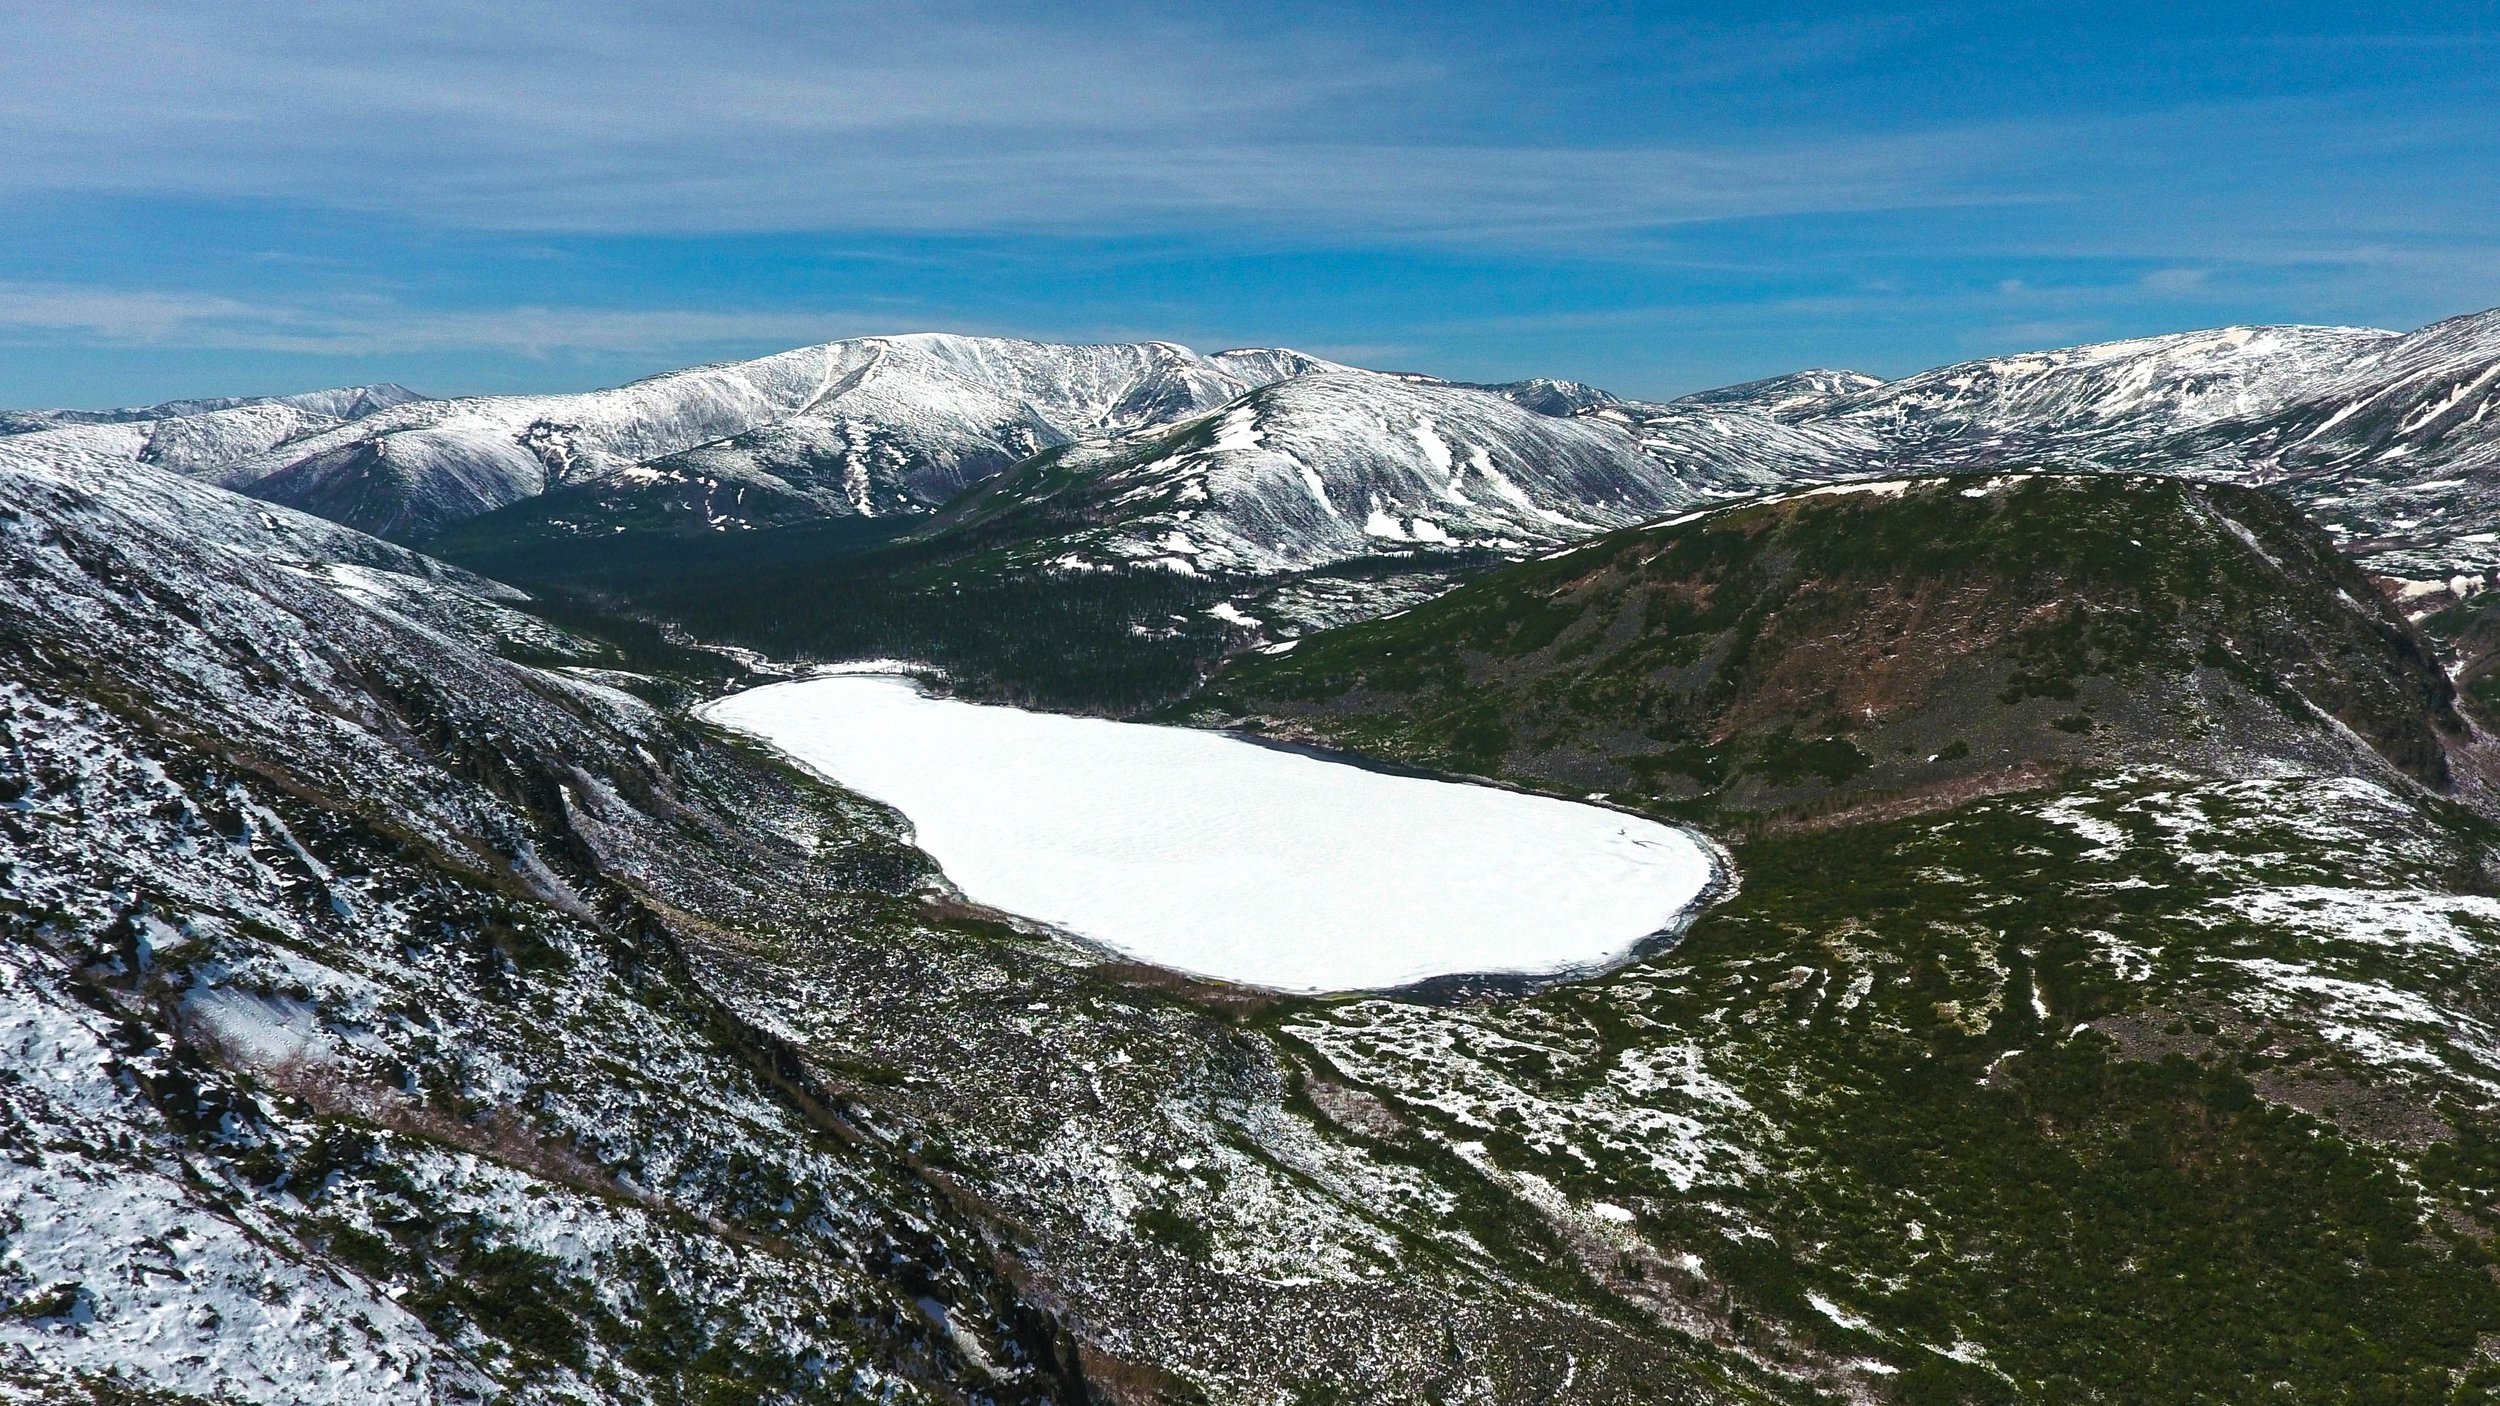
(1220, 857)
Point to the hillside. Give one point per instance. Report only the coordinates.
(1934, 636)
(2120, 1040)
(2387, 439)
(1326, 468)
(1111, 574)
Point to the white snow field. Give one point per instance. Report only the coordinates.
(1215, 856)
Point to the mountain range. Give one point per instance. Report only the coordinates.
(2388, 438)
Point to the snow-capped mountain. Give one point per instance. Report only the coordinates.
(1795, 393)
(2389, 439)
(2106, 399)
(200, 438)
(1325, 467)
(338, 403)
(1392, 456)
(2399, 454)
(2387, 436)
(1548, 396)
(863, 427)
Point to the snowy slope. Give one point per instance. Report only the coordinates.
(1548, 396)
(315, 968)
(200, 438)
(337, 403)
(875, 425)
(1797, 393)
(2392, 440)
(2113, 398)
(2399, 454)
(1320, 469)
(1328, 467)
(2389, 439)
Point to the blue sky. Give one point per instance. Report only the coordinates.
(216, 197)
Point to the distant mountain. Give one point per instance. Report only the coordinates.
(1293, 492)
(1330, 467)
(2399, 453)
(2389, 439)
(341, 403)
(2278, 405)
(1888, 638)
(1318, 469)
(1795, 393)
(199, 438)
(871, 427)
(2101, 402)
(1547, 396)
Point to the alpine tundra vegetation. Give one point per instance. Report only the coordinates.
(1989, 884)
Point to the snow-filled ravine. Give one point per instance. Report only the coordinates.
(1212, 855)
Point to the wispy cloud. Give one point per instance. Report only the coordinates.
(1495, 186)
(368, 327)
(907, 115)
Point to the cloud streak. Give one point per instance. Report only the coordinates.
(915, 115)
(464, 179)
(142, 318)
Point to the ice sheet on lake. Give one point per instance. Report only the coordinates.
(1216, 856)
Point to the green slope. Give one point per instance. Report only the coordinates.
(1939, 638)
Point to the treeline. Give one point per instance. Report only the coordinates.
(1110, 642)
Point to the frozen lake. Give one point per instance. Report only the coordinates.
(1219, 857)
